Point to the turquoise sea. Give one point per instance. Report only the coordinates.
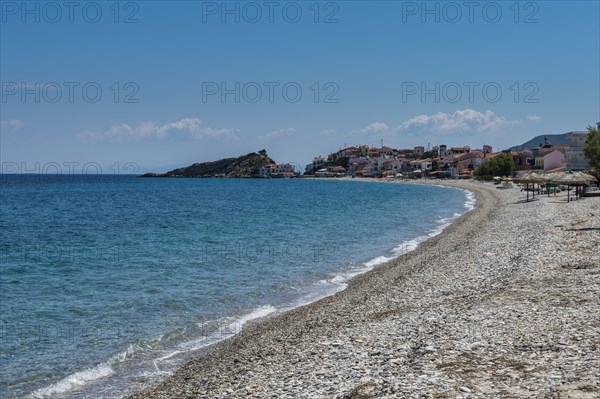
(109, 283)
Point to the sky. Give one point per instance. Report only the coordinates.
(137, 86)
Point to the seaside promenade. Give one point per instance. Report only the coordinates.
(503, 304)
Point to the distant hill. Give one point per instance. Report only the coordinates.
(554, 139)
(244, 166)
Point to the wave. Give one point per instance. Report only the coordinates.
(470, 203)
(341, 280)
(75, 380)
(105, 369)
(163, 361)
(227, 327)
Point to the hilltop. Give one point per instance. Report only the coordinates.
(244, 166)
(554, 139)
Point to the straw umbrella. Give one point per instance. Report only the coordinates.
(586, 177)
(554, 178)
(576, 179)
(531, 178)
(582, 179)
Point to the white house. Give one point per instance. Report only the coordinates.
(266, 171)
(425, 164)
(554, 160)
(283, 168)
(317, 163)
(278, 170)
(574, 157)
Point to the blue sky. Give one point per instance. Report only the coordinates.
(407, 73)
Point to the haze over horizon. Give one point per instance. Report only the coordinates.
(164, 87)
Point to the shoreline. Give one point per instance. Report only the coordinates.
(267, 354)
(70, 384)
(258, 323)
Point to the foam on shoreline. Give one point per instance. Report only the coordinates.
(435, 327)
(229, 326)
(336, 284)
(406, 246)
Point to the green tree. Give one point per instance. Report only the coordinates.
(501, 165)
(429, 154)
(591, 150)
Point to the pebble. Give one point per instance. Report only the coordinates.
(502, 301)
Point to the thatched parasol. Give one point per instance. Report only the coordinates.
(569, 178)
(531, 178)
(586, 177)
(576, 179)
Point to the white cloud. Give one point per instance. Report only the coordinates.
(277, 133)
(120, 131)
(11, 124)
(460, 120)
(192, 125)
(146, 129)
(375, 127)
(328, 132)
(534, 118)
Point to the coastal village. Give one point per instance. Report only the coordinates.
(545, 154)
(502, 305)
(438, 161)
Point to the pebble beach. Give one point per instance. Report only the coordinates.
(504, 303)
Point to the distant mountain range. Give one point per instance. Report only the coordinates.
(554, 139)
(244, 166)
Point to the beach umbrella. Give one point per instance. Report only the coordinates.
(582, 179)
(586, 177)
(531, 178)
(576, 179)
(573, 178)
(558, 178)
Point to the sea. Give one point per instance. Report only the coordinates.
(110, 283)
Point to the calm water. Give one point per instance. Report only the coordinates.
(109, 283)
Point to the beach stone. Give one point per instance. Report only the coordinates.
(503, 303)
